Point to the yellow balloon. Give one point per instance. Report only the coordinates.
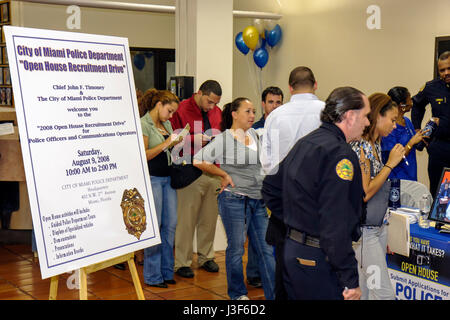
(250, 36)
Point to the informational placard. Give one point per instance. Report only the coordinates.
(82, 146)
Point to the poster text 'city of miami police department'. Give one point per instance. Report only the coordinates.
(82, 146)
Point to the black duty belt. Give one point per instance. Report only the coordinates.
(303, 238)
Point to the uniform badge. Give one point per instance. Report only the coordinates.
(344, 170)
(133, 212)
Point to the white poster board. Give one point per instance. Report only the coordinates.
(82, 147)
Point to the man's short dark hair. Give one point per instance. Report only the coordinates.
(272, 90)
(444, 56)
(339, 102)
(211, 86)
(301, 77)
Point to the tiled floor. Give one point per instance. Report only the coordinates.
(20, 279)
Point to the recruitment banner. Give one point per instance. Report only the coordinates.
(82, 146)
(425, 274)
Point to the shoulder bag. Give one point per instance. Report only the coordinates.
(182, 175)
(378, 205)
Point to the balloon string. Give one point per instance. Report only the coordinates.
(252, 74)
(258, 79)
(260, 82)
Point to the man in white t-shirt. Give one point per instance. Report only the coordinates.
(288, 123)
(283, 128)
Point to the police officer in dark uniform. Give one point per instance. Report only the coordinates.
(319, 187)
(437, 93)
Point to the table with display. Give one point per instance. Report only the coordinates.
(425, 274)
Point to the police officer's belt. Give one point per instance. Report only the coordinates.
(303, 238)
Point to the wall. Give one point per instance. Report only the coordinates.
(329, 36)
(332, 38)
(143, 29)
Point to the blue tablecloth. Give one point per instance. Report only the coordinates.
(425, 274)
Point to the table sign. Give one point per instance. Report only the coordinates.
(425, 274)
(83, 153)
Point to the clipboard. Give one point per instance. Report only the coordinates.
(399, 234)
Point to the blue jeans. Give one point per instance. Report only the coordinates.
(159, 259)
(241, 216)
(252, 264)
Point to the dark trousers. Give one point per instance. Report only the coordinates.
(307, 275)
(280, 291)
(275, 235)
(439, 157)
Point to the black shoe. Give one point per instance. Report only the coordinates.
(254, 282)
(120, 266)
(170, 281)
(185, 272)
(210, 266)
(159, 285)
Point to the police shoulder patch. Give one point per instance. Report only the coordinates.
(344, 170)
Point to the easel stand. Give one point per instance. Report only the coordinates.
(99, 266)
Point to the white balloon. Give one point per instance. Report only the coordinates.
(270, 24)
(259, 25)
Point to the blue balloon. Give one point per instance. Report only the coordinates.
(240, 44)
(261, 43)
(274, 36)
(139, 61)
(261, 56)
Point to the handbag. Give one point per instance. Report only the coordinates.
(378, 205)
(182, 175)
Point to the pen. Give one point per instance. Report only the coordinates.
(406, 161)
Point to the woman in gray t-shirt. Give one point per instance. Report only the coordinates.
(241, 207)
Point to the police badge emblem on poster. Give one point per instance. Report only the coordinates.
(133, 212)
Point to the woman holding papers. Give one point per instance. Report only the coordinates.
(371, 248)
(240, 201)
(158, 138)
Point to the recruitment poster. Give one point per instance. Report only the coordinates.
(425, 274)
(82, 146)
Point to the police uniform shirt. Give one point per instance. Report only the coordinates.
(437, 93)
(323, 196)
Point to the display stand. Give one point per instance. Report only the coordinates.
(96, 267)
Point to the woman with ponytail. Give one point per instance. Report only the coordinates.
(159, 106)
(371, 248)
(240, 202)
(405, 134)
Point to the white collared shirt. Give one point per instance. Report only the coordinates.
(286, 125)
